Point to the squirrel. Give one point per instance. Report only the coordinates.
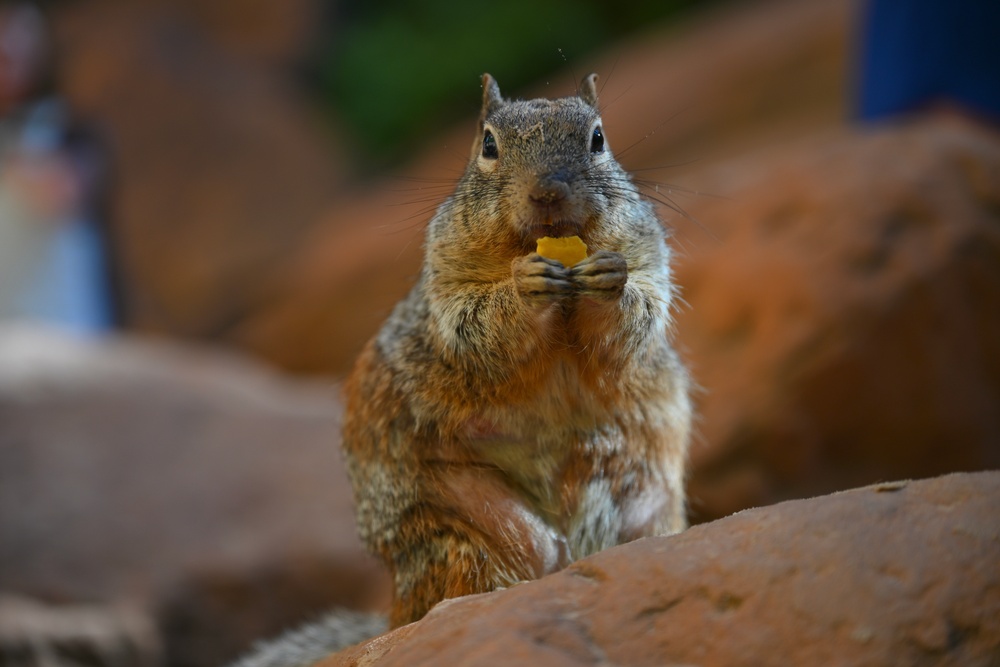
(514, 414)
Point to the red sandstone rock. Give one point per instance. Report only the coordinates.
(220, 168)
(844, 325)
(902, 573)
(271, 32)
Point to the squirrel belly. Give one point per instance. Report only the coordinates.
(515, 414)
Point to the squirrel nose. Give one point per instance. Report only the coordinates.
(548, 191)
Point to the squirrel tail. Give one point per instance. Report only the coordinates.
(314, 641)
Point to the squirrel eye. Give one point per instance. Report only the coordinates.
(490, 151)
(597, 140)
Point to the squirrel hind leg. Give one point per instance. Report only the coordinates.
(456, 562)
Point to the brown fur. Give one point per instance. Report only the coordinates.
(513, 414)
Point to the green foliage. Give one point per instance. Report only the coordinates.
(397, 70)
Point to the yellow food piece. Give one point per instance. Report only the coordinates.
(569, 250)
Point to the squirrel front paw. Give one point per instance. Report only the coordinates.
(540, 280)
(601, 276)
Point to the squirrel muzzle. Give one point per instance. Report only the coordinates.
(551, 207)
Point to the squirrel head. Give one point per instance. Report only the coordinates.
(541, 167)
(537, 168)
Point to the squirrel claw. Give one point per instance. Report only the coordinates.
(539, 279)
(602, 275)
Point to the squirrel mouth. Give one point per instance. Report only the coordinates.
(555, 229)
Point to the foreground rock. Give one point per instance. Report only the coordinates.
(893, 574)
(190, 486)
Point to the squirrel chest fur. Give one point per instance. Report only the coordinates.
(515, 414)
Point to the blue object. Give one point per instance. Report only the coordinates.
(57, 263)
(920, 52)
(70, 288)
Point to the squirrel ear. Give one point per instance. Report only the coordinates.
(491, 95)
(588, 90)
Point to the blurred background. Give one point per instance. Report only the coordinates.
(207, 207)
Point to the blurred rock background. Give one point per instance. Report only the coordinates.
(271, 168)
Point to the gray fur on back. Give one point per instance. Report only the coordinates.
(314, 641)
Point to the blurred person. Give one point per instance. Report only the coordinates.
(53, 266)
(925, 54)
